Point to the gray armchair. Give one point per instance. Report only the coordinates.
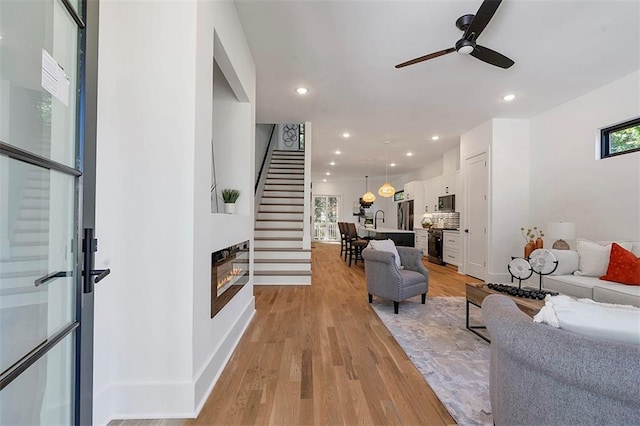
(385, 279)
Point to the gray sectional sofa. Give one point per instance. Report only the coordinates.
(542, 375)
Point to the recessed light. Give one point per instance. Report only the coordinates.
(509, 97)
(0, 37)
(338, 152)
(328, 174)
(409, 154)
(324, 180)
(302, 90)
(435, 137)
(392, 165)
(333, 163)
(346, 135)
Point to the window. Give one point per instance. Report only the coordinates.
(620, 139)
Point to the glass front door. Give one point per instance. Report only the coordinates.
(40, 280)
(325, 218)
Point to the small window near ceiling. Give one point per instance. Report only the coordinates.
(621, 139)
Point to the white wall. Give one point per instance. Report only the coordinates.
(568, 180)
(219, 34)
(157, 351)
(509, 194)
(263, 131)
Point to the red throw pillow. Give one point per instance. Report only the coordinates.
(624, 266)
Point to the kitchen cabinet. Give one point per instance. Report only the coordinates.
(412, 190)
(451, 247)
(450, 183)
(431, 196)
(421, 240)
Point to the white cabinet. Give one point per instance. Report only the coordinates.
(413, 190)
(451, 247)
(432, 193)
(421, 240)
(450, 183)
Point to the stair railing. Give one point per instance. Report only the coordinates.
(264, 158)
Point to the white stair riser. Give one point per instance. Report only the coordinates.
(282, 266)
(283, 193)
(277, 244)
(278, 224)
(285, 280)
(285, 167)
(35, 203)
(40, 193)
(296, 177)
(42, 214)
(24, 265)
(279, 208)
(283, 200)
(281, 216)
(285, 170)
(284, 160)
(278, 233)
(275, 254)
(39, 250)
(31, 225)
(273, 187)
(32, 237)
(284, 182)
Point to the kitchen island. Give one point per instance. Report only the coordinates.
(399, 236)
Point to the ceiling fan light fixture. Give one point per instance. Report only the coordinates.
(464, 46)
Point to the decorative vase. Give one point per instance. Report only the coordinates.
(529, 248)
(539, 243)
(230, 208)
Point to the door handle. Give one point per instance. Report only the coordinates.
(52, 276)
(466, 230)
(100, 274)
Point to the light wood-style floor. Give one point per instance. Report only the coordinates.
(319, 355)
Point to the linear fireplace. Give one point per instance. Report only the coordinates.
(229, 272)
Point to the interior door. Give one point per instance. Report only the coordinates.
(477, 213)
(42, 111)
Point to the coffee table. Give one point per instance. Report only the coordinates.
(476, 292)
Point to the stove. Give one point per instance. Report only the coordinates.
(434, 250)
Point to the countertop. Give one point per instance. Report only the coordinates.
(382, 230)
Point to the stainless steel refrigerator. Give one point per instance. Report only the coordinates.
(405, 215)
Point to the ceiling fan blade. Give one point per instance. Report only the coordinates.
(481, 19)
(491, 57)
(426, 57)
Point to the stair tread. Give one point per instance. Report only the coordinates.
(23, 259)
(282, 204)
(279, 220)
(296, 197)
(282, 273)
(282, 261)
(278, 229)
(281, 249)
(277, 238)
(287, 212)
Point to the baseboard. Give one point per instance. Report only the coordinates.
(208, 375)
(169, 400)
(142, 401)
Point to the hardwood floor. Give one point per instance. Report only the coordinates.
(319, 355)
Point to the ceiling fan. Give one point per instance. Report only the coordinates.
(472, 25)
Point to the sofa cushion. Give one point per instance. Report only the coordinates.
(605, 291)
(607, 321)
(411, 278)
(624, 266)
(573, 285)
(386, 245)
(594, 258)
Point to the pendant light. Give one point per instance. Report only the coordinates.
(386, 190)
(368, 196)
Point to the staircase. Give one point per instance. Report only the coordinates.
(279, 257)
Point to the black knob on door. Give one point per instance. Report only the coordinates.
(466, 230)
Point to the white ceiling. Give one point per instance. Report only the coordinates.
(345, 52)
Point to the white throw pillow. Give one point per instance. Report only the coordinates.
(594, 258)
(386, 245)
(620, 323)
(568, 261)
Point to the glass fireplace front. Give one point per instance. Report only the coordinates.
(229, 272)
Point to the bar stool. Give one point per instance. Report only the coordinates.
(355, 245)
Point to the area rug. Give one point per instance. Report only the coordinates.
(453, 361)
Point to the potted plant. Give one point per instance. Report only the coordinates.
(230, 196)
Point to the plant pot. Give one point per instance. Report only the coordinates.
(230, 208)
